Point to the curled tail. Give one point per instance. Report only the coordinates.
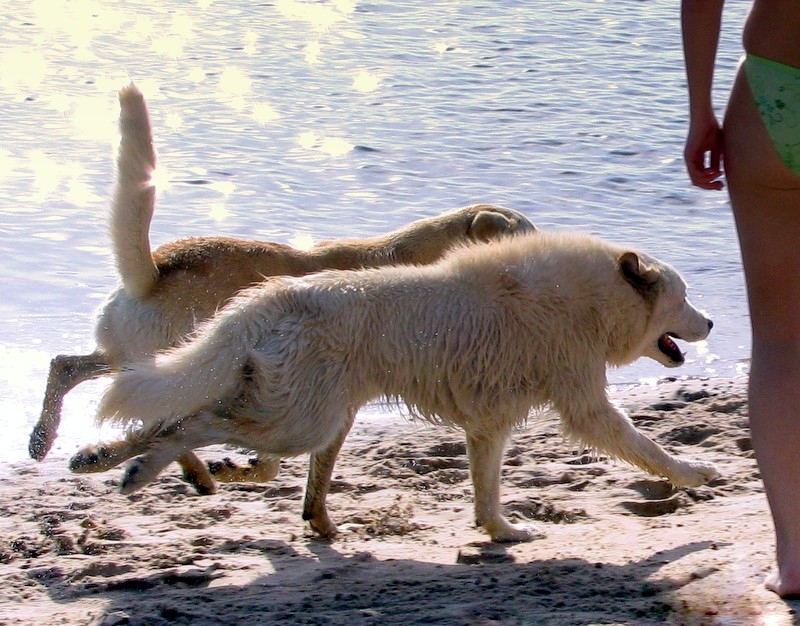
(134, 196)
(184, 380)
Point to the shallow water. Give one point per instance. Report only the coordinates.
(291, 120)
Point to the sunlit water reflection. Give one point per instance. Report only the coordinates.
(295, 121)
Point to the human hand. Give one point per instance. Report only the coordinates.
(703, 153)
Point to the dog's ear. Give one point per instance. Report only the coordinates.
(640, 276)
(487, 224)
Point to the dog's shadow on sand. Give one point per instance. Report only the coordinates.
(485, 588)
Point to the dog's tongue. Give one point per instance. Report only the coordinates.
(670, 348)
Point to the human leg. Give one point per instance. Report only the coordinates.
(765, 196)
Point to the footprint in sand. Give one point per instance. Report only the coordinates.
(448, 457)
(690, 434)
(661, 499)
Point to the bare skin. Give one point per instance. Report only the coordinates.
(765, 197)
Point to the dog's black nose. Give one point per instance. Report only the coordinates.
(710, 324)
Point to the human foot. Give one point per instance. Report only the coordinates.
(785, 583)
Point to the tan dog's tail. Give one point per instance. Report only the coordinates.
(184, 380)
(134, 196)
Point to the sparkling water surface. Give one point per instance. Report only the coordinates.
(293, 121)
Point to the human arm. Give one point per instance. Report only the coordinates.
(700, 27)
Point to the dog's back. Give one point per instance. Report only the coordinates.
(484, 328)
(482, 331)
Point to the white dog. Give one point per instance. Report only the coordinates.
(164, 294)
(477, 339)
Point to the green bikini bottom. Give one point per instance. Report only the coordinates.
(776, 91)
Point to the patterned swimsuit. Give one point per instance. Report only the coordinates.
(776, 91)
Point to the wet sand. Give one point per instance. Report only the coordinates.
(618, 546)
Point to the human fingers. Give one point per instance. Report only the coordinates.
(703, 164)
(705, 177)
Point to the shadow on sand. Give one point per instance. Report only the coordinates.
(327, 587)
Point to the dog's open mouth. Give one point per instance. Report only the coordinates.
(669, 348)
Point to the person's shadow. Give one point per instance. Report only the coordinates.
(486, 588)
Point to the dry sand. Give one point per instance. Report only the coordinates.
(620, 547)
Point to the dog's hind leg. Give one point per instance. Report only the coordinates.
(66, 371)
(169, 445)
(105, 456)
(320, 470)
(604, 427)
(485, 459)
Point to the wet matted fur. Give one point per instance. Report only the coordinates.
(477, 339)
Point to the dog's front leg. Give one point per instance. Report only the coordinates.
(606, 428)
(315, 510)
(485, 459)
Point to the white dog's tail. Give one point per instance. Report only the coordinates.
(184, 380)
(134, 196)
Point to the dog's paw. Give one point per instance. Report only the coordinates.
(137, 475)
(694, 474)
(90, 459)
(321, 524)
(40, 442)
(263, 469)
(502, 531)
(257, 470)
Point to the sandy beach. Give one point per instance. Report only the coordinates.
(617, 546)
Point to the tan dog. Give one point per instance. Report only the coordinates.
(163, 295)
(477, 339)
